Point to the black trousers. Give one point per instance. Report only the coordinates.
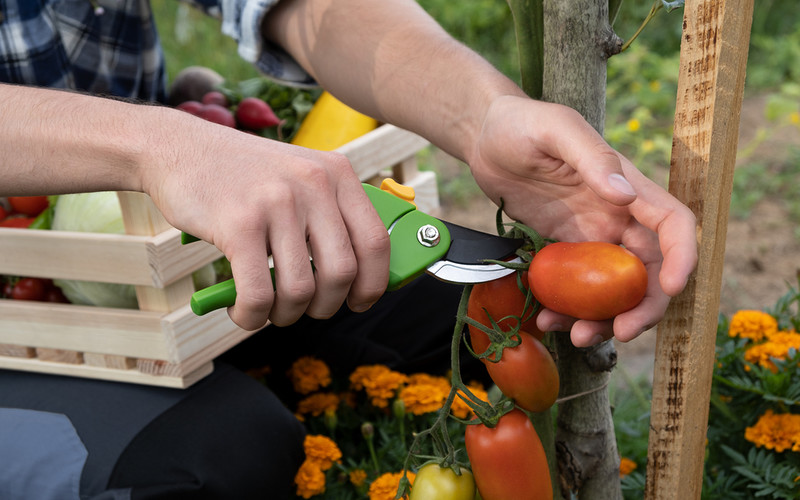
(228, 436)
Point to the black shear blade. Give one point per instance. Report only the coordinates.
(465, 261)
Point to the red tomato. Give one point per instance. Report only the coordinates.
(29, 289)
(499, 298)
(54, 294)
(508, 460)
(254, 114)
(3, 212)
(28, 205)
(215, 97)
(590, 280)
(191, 107)
(527, 374)
(22, 222)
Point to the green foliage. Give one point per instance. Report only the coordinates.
(290, 104)
(767, 477)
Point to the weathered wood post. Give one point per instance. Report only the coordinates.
(716, 35)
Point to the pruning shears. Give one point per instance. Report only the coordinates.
(420, 243)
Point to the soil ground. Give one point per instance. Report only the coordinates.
(762, 254)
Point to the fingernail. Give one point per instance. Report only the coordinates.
(360, 308)
(621, 184)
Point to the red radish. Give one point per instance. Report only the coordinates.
(215, 97)
(254, 114)
(191, 107)
(217, 114)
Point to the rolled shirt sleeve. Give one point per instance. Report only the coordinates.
(241, 20)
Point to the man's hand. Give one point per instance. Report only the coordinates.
(254, 198)
(555, 173)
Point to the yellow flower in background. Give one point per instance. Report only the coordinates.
(460, 409)
(777, 346)
(423, 398)
(626, 466)
(779, 432)
(379, 382)
(321, 451)
(634, 125)
(794, 118)
(655, 85)
(753, 325)
(310, 480)
(385, 486)
(309, 374)
(317, 404)
(357, 477)
(648, 145)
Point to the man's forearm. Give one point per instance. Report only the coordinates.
(399, 65)
(59, 141)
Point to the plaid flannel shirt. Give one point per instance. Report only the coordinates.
(66, 44)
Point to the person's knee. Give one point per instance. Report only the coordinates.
(232, 438)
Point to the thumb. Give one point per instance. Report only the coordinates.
(598, 164)
(601, 169)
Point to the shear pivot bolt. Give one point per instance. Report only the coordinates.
(428, 236)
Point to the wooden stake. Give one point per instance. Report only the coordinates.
(716, 35)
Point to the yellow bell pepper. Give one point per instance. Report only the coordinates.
(331, 124)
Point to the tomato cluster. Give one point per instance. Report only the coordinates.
(589, 280)
(249, 114)
(22, 211)
(37, 289)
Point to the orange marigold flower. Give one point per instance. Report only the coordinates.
(753, 325)
(310, 480)
(357, 477)
(779, 432)
(317, 404)
(385, 486)
(777, 346)
(462, 410)
(423, 398)
(309, 374)
(426, 379)
(626, 466)
(321, 451)
(379, 382)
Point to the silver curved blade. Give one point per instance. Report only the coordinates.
(455, 272)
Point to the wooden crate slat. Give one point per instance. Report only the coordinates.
(83, 328)
(102, 373)
(381, 148)
(110, 258)
(192, 337)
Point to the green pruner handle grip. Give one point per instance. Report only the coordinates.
(410, 254)
(217, 296)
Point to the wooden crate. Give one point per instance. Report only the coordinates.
(161, 343)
